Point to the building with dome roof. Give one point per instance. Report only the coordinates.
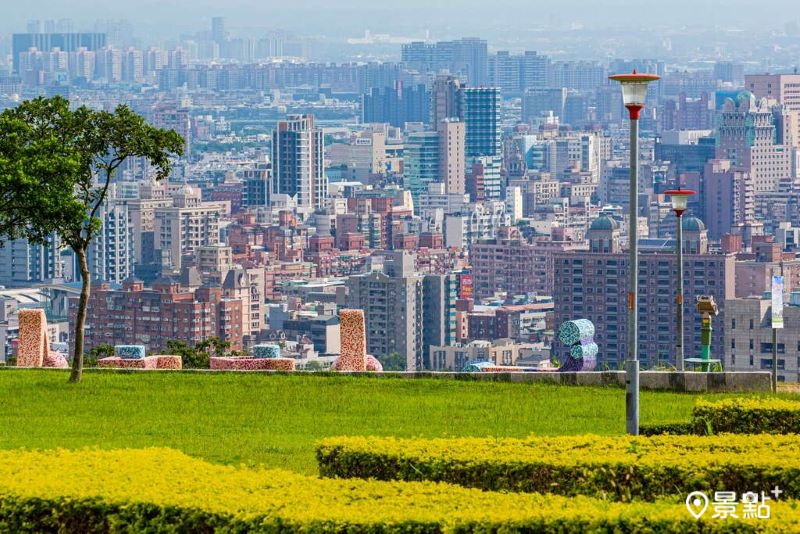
(593, 285)
(756, 135)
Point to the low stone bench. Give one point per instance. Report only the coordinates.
(252, 364)
(160, 361)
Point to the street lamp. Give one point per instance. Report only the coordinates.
(634, 91)
(680, 199)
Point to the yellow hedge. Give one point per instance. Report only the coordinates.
(617, 468)
(160, 490)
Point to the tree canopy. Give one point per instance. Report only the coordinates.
(56, 167)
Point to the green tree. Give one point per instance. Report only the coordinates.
(56, 166)
(199, 356)
(95, 353)
(393, 361)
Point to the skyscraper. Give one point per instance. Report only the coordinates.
(447, 99)
(440, 292)
(298, 155)
(218, 33)
(482, 119)
(420, 162)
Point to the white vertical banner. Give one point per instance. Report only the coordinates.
(777, 302)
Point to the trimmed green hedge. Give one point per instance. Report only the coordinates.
(620, 468)
(159, 490)
(748, 416)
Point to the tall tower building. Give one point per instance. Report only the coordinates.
(218, 33)
(452, 170)
(783, 88)
(298, 155)
(751, 135)
(446, 99)
(420, 162)
(110, 254)
(482, 118)
(727, 198)
(439, 313)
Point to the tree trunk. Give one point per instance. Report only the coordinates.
(80, 320)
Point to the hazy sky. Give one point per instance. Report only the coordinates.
(442, 17)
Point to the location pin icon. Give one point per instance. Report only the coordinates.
(697, 503)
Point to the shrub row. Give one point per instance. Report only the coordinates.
(159, 490)
(748, 416)
(735, 416)
(619, 468)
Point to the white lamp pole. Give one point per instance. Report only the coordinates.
(680, 199)
(634, 91)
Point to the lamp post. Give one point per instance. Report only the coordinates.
(680, 199)
(634, 91)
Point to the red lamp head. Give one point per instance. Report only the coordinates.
(680, 199)
(634, 90)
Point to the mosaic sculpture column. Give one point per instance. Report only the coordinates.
(353, 334)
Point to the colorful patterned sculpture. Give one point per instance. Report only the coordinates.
(33, 345)
(579, 336)
(130, 352)
(160, 361)
(353, 333)
(266, 351)
(373, 364)
(252, 364)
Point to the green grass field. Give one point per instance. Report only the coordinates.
(275, 419)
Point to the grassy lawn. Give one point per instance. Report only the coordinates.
(275, 420)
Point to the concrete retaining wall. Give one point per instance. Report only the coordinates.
(731, 382)
(688, 381)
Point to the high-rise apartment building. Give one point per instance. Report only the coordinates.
(66, 42)
(727, 197)
(440, 292)
(298, 155)
(110, 255)
(393, 309)
(180, 229)
(452, 171)
(466, 58)
(23, 263)
(513, 74)
(539, 101)
(396, 105)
